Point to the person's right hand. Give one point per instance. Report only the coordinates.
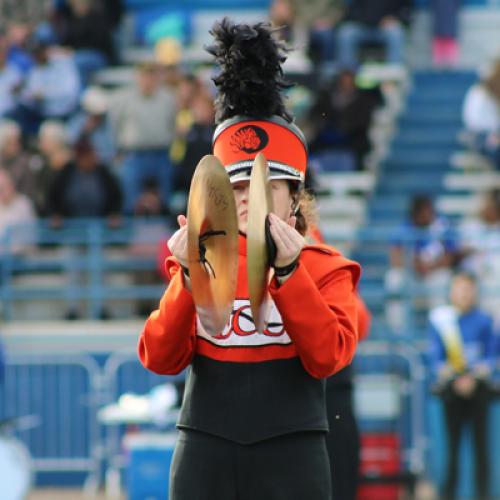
(464, 385)
(178, 242)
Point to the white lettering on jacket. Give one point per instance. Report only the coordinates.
(241, 331)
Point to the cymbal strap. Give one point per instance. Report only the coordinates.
(270, 244)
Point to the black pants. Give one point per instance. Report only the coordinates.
(342, 443)
(458, 412)
(290, 467)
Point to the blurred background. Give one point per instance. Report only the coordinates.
(106, 107)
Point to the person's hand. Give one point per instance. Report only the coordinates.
(464, 385)
(178, 242)
(289, 242)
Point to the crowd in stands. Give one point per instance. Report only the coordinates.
(70, 148)
(472, 244)
(433, 248)
(76, 149)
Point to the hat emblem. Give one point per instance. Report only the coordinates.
(249, 139)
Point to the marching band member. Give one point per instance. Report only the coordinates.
(253, 419)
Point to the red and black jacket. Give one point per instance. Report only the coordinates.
(248, 386)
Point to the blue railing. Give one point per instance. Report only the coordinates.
(84, 253)
(97, 264)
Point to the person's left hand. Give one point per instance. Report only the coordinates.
(289, 242)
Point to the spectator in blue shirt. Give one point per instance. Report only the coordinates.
(423, 252)
(428, 235)
(462, 360)
(10, 81)
(52, 88)
(17, 36)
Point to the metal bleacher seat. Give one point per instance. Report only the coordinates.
(458, 206)
(87, 262)
(481, 181)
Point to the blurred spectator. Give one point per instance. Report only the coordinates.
(14, 158)
(188, 86)
(198, 143)
(143, 124)
(282, 15)
(430, 237)
(93, 123)
(462, 356)
(423, 253)
(343, 440)
(85, 26)
(480, 242)
(368, 21)
(481, 115)
(319, 19)
(114, 11)
(168, 55)
(10, 81)
(17, 37)
(340, 119)
(445, 39)
(15, 210)
(52, 88)
(151, 230)
(85, 188)
(53, 156)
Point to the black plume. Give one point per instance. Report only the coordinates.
(251, 77)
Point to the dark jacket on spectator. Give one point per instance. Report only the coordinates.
(371, 12)
(92, 31)
(198, 144)
(66, 193)
(343, 123)
(114, 11)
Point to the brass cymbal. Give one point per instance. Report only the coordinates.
(260, 204)
(212, 244)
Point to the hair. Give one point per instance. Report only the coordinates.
(54, 129)
(8, 128)
(494, 196)
(250, 82)
(492, 81)
(418, 203)
(465, 275)
(305, 204)
(83, 146)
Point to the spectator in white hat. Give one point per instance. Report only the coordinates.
(92, 123)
